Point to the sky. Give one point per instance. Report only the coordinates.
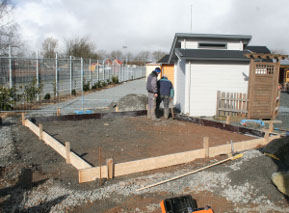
(150, 25)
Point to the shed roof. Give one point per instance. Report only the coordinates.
(214, 55)
(258, 49)
(164, 60)
(244, 38)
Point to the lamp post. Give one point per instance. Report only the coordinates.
(125, 47)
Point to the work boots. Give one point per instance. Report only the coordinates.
(153, 115)
(166, 113)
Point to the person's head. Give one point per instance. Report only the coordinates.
(164, 76)
(157, 70)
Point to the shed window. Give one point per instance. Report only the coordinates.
(212, 45)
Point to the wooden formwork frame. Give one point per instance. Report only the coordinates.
(87, 172)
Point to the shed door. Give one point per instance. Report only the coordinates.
(263, 89)
(169, 71)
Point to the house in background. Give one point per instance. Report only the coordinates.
(150, 67)
(202, 64)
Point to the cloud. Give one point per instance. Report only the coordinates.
(149, 25)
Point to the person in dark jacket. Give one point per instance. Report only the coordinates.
(166, 94)
(152, 89)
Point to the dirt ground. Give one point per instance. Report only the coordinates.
(34, 178)
(133, 138)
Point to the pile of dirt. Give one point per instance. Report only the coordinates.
(279, 148)
(131, 102)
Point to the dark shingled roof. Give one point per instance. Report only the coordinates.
(216, 55)
(258, 49)
(164, 60)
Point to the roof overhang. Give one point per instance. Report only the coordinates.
(182, 57)
(244, 38)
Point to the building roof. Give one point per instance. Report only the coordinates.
(258, 49)
(164, 60)
(176, 44)
(116, 61)
(212, 55)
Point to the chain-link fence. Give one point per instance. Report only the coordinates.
(27, 83)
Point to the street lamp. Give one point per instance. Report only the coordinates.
(125, 47)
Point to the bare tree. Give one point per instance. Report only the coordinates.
(129, 56)
(49, 47)
(116, 54)
(8, 28)
(102, 54)
(157, 55)
(142, 57)
(81, 47)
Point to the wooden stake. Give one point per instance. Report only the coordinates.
(271, 126)
(99, 150)
(23, 118)
(58, 112)
(147, 107)
(266, 137)
(228, 120)
(189, 173)
(109, 166)
(206, 146)
(116, 109)
(40, 131)
(67, 149)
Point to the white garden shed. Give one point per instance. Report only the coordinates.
(206, 63)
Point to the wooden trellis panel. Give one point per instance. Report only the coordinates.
(263, 90)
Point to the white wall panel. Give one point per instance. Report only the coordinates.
(180, 86)
(207, 79)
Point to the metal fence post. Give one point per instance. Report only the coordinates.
(81, 78)
(90, 73)
(10, 68)
(103, 64)
(109, 71)
(97, 70)
(70, 74)
(37, 73)
(56, 75)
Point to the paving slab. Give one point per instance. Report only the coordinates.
(101, 98)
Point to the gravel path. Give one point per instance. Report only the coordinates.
(101, 98)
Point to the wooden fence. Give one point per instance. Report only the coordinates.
(231, 104)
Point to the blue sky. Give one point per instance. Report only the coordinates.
(150, 24)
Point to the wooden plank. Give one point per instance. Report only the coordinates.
(218, 103)
(206, 146)
(223, 102)
(144, 165)
(58, 112)
(231, 110)
(110, 169)
(251, 87)
(89, 116)
(23, 118)
(148, 164)
(40, 131)
(67, 148)
(76, 161)
(228, 120)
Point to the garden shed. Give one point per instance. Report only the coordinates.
(207, 63)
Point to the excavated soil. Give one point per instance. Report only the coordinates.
(133, 138)
(34, 178)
